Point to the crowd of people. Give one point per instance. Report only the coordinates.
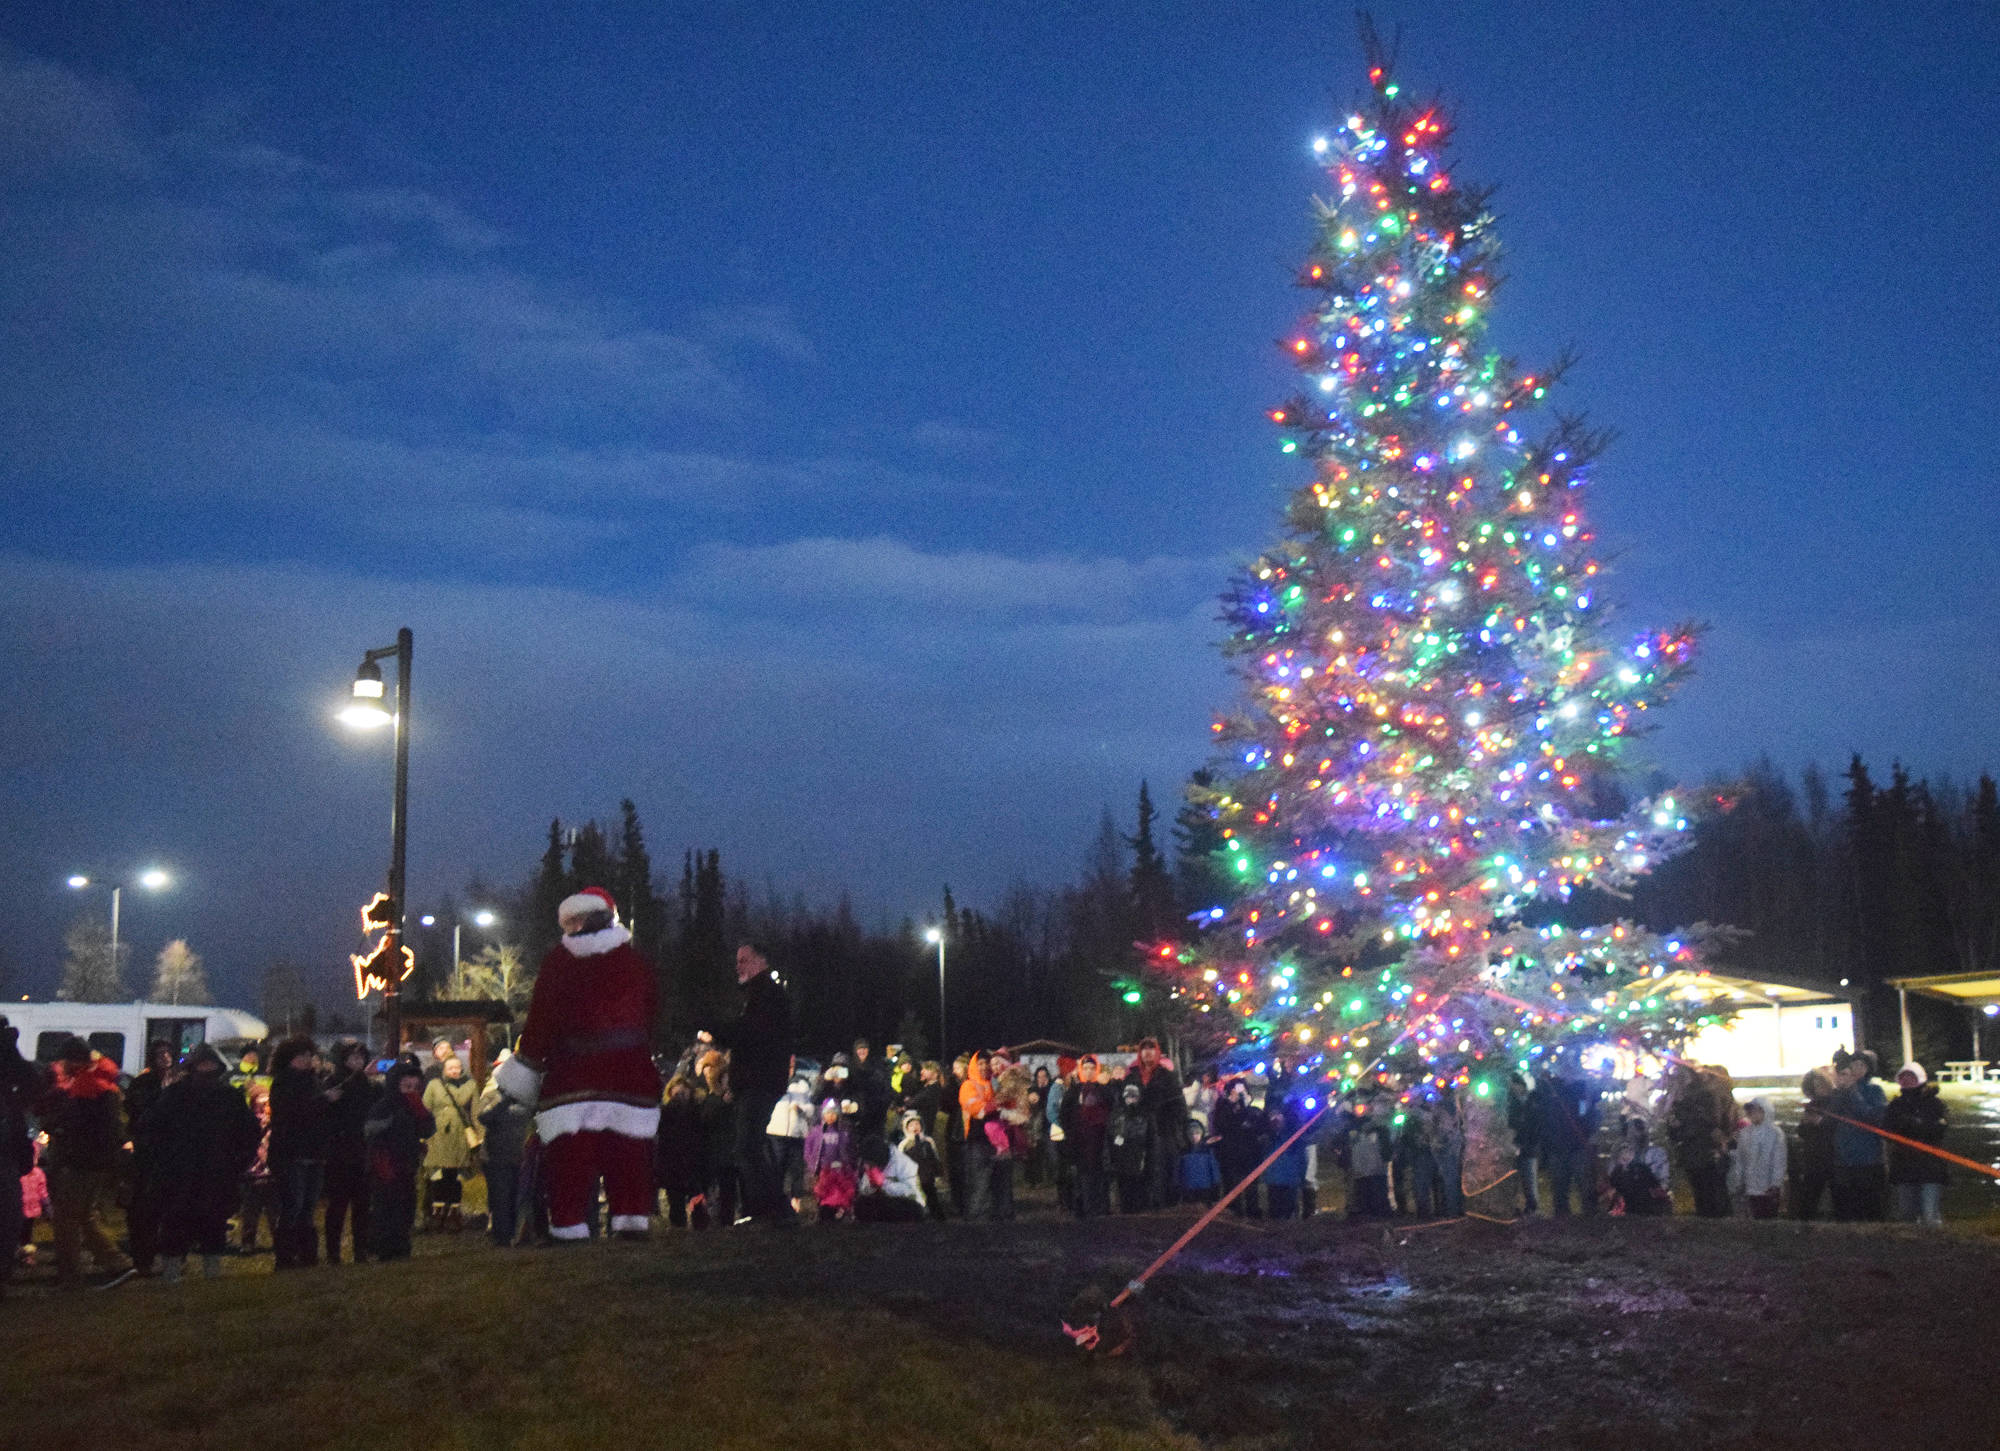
(583, 1131)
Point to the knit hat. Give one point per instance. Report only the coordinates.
(585, 902)
(1916, 1068)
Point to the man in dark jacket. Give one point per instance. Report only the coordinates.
(870, 1089)
(1571, 1113)
(20, 1085)
(83, 1112)
(301, 1122)
(205, 1136)
(1524, 1120)
(142, 1096)
(350, 1094)
(1085, 1119)
(760, 1067)
(1166, 1106)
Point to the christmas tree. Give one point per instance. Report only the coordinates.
(1429, 759)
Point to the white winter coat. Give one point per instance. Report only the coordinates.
(793, 1114)
(1758, 1165)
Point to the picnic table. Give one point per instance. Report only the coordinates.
(1964, 1070)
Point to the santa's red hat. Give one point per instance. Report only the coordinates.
(590, 899)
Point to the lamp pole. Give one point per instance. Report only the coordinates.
(367, 709)
(480, 918)
(152, 879)
(936, 934)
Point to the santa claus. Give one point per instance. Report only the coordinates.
(585, 1060)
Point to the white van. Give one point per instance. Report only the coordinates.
(121, 1031)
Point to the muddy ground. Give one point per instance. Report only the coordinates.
(1587, 1334)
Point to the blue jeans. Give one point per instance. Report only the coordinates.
(989, 1181)
(1921, 1203)
(296, 1240)
(1526, 1168)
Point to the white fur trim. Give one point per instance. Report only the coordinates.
(569, 1231)
(579, 904)
(593, 944)
(593, 1115)
(622, 1222)
(518, 1081)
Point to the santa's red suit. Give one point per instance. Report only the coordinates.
(585, 1059)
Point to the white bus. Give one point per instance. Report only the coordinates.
(121, 1031)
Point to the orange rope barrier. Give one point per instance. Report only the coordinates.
(1978, 1168)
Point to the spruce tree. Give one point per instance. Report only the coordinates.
(1152, 888)
(1435, 712)
(643, 910)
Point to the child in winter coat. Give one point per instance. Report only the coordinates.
(34, 1199)
(1240, 1145)
(680, 1156)
(890, 1190)
(921, 1149)
(1131, 1147)
(1639, 1173)
(1368, 1150)
(831, 1165)
(1757, 1168)
(395, 1132)
(791, 1121)
(1286, 1176)
(1200, 1175)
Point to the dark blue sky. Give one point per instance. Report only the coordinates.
(831, 425)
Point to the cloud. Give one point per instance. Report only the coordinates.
(155, 285)
(768, 326)
(888, 574)
(54, 123)
(187, 709)
(959, 441)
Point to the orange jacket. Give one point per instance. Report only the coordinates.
(975, 1095)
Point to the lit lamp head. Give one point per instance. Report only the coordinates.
(484, 919)
(78, 882)
(932, 934)
(367, 710)
(153, 879)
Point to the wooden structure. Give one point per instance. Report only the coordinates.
(462, 1020)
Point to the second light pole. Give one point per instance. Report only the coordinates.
(368, 709)
(936, 934)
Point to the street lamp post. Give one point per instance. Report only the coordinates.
(366, 710)
(936, 934)
(480, 918)
(152, 879)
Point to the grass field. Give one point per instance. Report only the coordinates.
(1590, 1334)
